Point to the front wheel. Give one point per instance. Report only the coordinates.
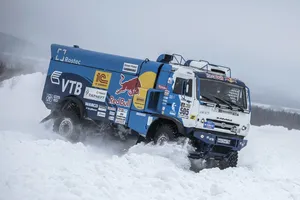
(231, 161)
(165, 133)
(68, 125)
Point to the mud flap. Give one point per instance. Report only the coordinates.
(47, 118)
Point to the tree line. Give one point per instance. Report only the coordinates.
(264, 116)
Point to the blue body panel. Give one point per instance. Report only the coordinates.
(91, 58)
(109, 86)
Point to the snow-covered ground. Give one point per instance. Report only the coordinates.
(37, 164)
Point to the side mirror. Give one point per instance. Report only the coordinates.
(187, 89)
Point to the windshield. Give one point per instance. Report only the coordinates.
(221, 92)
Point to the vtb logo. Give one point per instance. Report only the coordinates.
(101, 79)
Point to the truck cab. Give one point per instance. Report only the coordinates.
(210, 99)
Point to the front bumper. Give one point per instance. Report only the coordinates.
(213, 140)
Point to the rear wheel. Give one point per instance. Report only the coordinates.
(68, 125)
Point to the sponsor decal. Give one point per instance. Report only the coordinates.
(120, 120)
(184, 110)
(101, 79)
(162, 87)
(121, 116)
(225, 119)
(74, 86)
(149, 121)
(131, 86)
(140, 99)
(112, 118)
(52, 98)
(112, 113)
(122, 112)
(91, 109)
(228, 112)
(204, 112)
(61, 56)
(209, 124)
(101, 114)
(111, 108)
(95, 94)
(193, 117)
(120, 101)
(173, 111)
(55, 77)
(222, 78)
(141, 114)
(167, 92)
(218, 77)
(131, 68)
(56, 98)
(230, 80)
(172, 96)
(102, 108)
(49, 98)
(223, 141)
(139, 102)
(89, 104)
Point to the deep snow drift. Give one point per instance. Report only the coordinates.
(37, 164)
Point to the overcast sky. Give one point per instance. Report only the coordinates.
(258, 39)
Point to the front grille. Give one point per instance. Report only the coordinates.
(223, 124)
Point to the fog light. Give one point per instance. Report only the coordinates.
(244, 128)
(202, 120)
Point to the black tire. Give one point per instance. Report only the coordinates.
(165, 133)
(230, 162)
(68, 125)
(140, 139)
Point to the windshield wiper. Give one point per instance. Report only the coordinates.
(234, 104)
(210, 99)
(229, 103)
(224, 101)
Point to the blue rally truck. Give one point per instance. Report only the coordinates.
(160, 100)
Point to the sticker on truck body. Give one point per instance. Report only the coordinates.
(130, 68)
(95, 94)
(101, 79)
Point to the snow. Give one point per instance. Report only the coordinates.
(37, 164)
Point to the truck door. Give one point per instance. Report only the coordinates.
(186, 88)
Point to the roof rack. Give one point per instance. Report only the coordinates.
(178, 59)
(207, 64)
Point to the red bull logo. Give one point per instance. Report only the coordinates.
(131, 86)
(230, 80)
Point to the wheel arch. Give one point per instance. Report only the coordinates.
(161, 119)
(70, 103)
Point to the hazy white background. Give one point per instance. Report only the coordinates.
(259, 39)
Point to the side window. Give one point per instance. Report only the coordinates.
(179, 86)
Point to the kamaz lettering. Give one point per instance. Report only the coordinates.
(158, 101)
